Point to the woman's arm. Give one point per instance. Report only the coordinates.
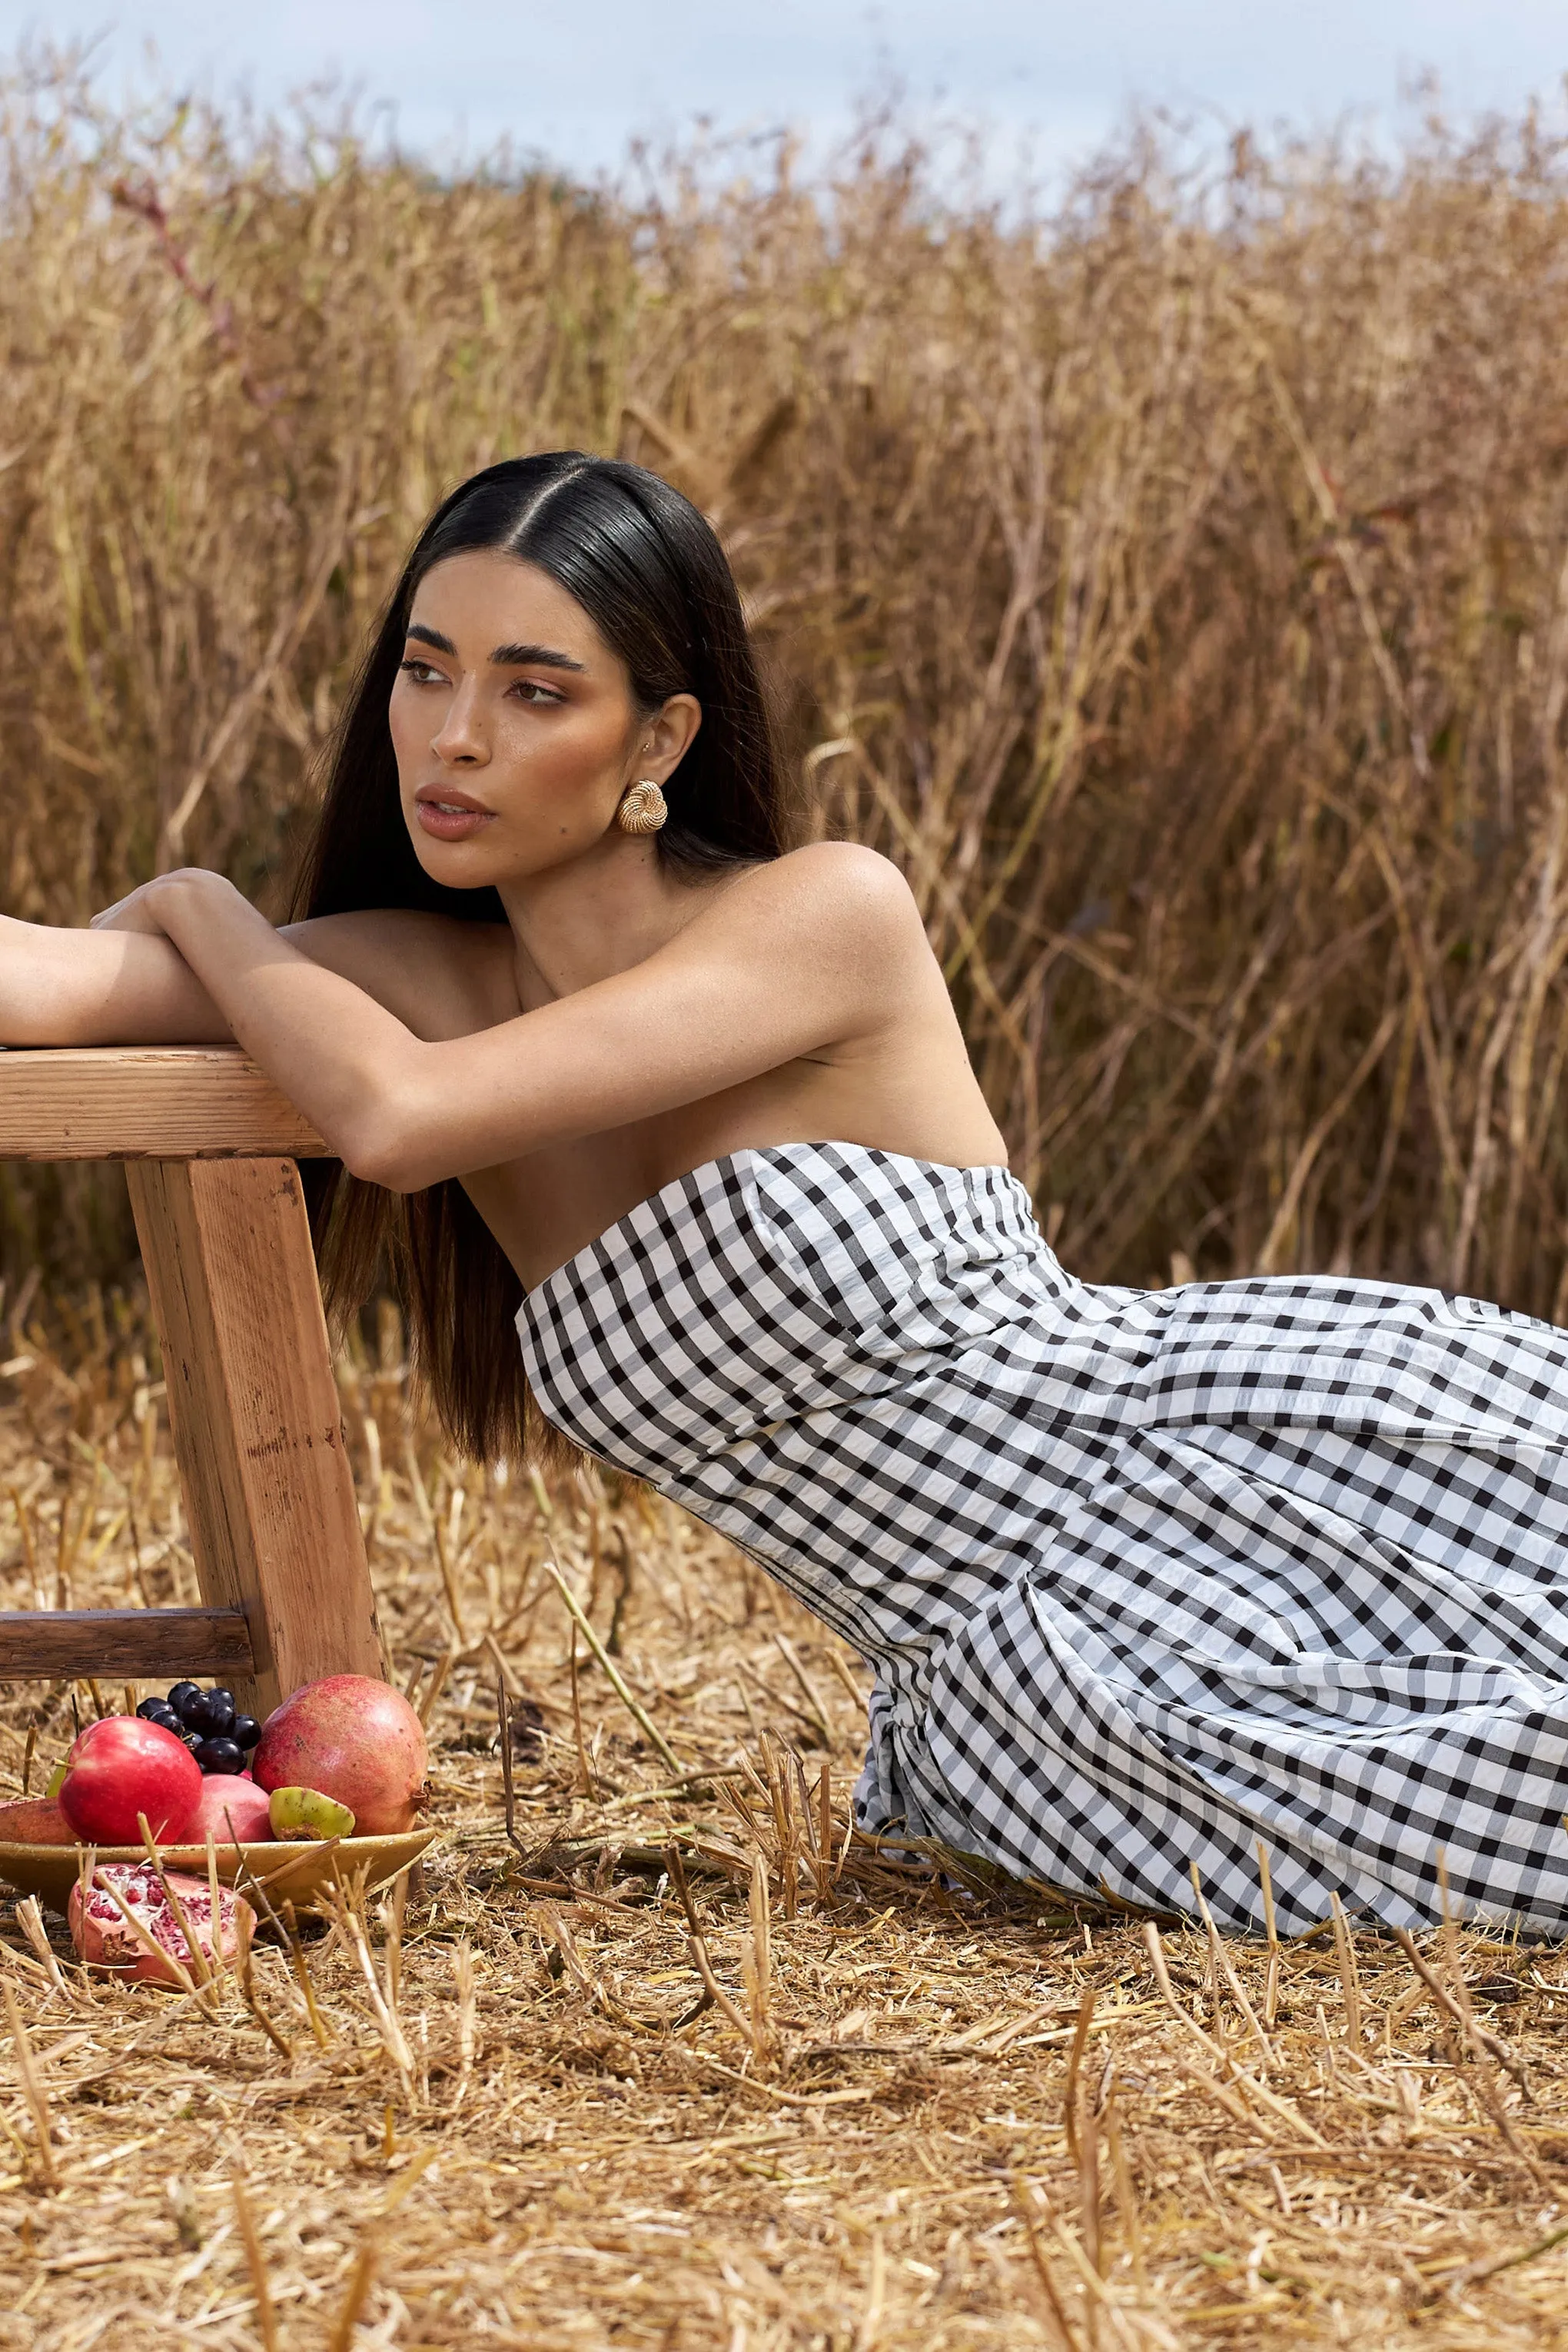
(793, 957)
(124, 983)
(99, 988)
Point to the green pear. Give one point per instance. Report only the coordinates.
(306, 1813)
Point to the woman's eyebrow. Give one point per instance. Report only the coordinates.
(533, 656)
(504, 656)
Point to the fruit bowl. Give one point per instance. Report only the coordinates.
(284, 1869)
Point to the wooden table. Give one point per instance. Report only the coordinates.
(210, 1149)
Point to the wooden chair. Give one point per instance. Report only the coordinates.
(210, 1147)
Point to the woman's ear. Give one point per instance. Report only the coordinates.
(667, 738)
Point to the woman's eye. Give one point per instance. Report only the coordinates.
(421, 672)
(533, 692)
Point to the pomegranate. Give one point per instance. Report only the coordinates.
(34, 1820)
(102, 1937)
(232, 1807)
(351, 1739)
(120, 1767)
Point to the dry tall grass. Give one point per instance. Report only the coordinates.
(1179, 590)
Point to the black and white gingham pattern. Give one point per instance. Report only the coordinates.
(1146, 1576)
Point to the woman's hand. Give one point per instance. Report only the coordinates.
(138, 910)
(327, 1043)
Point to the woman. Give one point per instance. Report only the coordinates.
(1147, 1577)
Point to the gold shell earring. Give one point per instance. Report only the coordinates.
(643, 808)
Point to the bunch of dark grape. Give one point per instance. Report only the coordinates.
(216, 1734)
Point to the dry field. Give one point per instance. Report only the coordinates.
(846, 2100)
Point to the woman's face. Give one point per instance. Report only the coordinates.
(514, 727)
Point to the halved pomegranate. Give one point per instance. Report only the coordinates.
(104, 1938)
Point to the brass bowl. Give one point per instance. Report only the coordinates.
(298, 1870)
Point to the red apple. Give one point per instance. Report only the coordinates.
(102, 1939)
(123, 1766)
(236, 1811)
(353, 1738)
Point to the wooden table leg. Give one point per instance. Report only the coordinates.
(258, 1430)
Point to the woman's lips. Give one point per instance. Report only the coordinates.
(454, 818)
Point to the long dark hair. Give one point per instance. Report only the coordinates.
(650, 572)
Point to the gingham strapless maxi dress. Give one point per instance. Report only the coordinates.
(1146, 1577)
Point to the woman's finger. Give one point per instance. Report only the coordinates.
(127, 914)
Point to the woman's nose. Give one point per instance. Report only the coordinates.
(461, 740)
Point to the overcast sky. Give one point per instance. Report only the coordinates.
(577, 82)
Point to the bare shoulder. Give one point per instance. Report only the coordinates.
(441, 977)
(834, 894)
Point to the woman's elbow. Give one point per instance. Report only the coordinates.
(382, 1154)
(411, 1131)
(404, 1143)
(384, 1142)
